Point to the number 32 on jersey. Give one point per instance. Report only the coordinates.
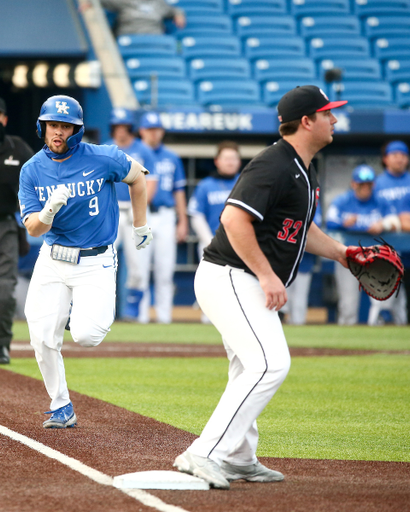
(290, 229)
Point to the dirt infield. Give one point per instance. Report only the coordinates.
(116, 441)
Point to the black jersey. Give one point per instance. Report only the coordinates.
(14, 152)
(282, 195)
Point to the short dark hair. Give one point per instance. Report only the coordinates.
(291, 127)
(226, 144)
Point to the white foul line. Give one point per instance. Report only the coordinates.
(142, 496)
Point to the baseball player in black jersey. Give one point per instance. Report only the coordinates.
(241, 282)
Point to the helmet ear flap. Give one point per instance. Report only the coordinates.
(41, 129)
(76, 137)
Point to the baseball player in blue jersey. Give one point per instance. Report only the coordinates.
(168, 219)
(67, 194)
(394, 186)
(359, 210)
(208, 200)
(122, 125)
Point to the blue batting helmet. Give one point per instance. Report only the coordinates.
(65, 110)
(121, 115)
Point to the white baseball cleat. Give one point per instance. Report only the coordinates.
(253, 473)
(202, 467)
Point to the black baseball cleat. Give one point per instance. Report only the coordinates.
(4, 355)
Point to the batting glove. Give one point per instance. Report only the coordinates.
(58, 198)
(142, 236)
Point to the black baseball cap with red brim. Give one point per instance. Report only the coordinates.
(304, 101)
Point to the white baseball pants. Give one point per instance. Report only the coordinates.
(90, 286)
(135, 278)
(258, 356)
(298, 297)
(396, 305)
(162, 251)
(348, 302)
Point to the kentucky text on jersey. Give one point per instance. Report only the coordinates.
(90, 218)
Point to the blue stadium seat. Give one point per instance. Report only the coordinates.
(328, 48)
(170, 92)
(150, 45)
(329, 26)
(361, 94)
(381, 7)
(229, 93)
(256, 7)
(387, 26)
(217, 68)
(274, 48)
(403, 94)
(353, 69)
(145, 67)
(266, 26)
(273, 91)
(314, 7)
(201, 46)
(387, 48)
(216, 5)
(284, 70)
(398, 70)
(206, 26)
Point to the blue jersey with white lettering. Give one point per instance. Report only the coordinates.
(143, 155)
(392, 188)
(367, 212)
(170, 174)
(209, 198)
(90, 218)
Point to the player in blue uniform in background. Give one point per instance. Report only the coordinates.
(122, 125)
(208, 200)
(168, 219)
(394, 186)
(359, 210)
(67, 194)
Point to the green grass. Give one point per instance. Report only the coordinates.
(329, 336)
(355, 407)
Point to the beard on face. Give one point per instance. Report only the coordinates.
(63, 148)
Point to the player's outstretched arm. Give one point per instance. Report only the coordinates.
(323, 245)
(241, 234)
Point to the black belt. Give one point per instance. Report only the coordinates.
(153, 209)
(94, 251)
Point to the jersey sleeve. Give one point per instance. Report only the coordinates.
(180, 179)
(119, 163)
(259, 188)
(404, 205)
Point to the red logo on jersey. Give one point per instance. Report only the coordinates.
(286, 235)
(317, 194)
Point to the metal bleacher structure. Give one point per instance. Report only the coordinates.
(246, 52)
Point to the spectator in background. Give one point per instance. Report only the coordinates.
(14, 152)
(394, 186)
(169, 222)
(143, 16)
(298, 292)
(208, 200)
(360, 210)
(122, 125)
